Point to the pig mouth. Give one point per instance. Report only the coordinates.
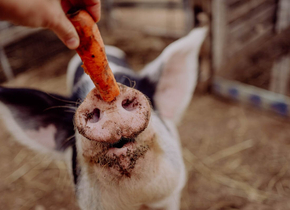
(122, 142)
(120, 156)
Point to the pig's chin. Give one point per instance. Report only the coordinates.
(119, 158)
(121, 147)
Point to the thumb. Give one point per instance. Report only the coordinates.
(65, 31)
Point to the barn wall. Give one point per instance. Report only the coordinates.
(249, 44)
(238, 24)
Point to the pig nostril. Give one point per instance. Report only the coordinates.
(130, 104)
(93, 116)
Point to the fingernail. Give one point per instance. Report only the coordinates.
(72, 43)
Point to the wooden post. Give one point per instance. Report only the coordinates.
(108, 7)
(188, 15)
(202, 14)
(219, 32)
(283, 19)
(280, 75)
(9, 35)
(281, 68)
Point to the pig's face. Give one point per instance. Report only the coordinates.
(124, 154)
(114, 136)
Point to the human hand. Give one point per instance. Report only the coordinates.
(49, 14)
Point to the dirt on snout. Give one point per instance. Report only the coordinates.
(127, 116)
(103, 160)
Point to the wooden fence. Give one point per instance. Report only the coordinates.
(250, 52)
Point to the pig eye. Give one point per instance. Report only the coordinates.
(93, 116)
(129, 104)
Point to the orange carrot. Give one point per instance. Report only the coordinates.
(92, 52)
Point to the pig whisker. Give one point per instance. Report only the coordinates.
(70, 111)
(132, 83)
(66, 101)
(70, 140)
(55, 107)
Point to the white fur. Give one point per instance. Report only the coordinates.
(114, 51)
(99, 193)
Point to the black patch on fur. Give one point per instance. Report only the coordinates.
(78, 73)
(75, 168)
(118, 61)
(80, 93)
(144, 85)
(33, 109)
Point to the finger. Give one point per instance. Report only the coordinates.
(94, 8)
(67, 33)
(66, 5)
(64, 29)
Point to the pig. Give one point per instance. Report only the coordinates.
(125, 154)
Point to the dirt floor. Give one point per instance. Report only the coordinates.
(237, 157)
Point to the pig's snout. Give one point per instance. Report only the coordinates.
(122, 119)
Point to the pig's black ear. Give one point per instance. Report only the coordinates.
(39, 120)
(175, 74)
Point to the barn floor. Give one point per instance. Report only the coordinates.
(237, 157)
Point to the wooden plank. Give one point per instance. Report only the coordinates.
(161, 22)
(233, 2)
(250, 30)
(187, 7)
(250, 95)
(281, 68)
(163, 32)
(244, 9)
(283, 17)
(266, 12)
(8, 35)
(180, 1)
(259, 55)
(14, 34)
(148, 4)
(250, 27)
(107, 7)
(280, 75)
(219, 31)
(149, 1)
(267, 31)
